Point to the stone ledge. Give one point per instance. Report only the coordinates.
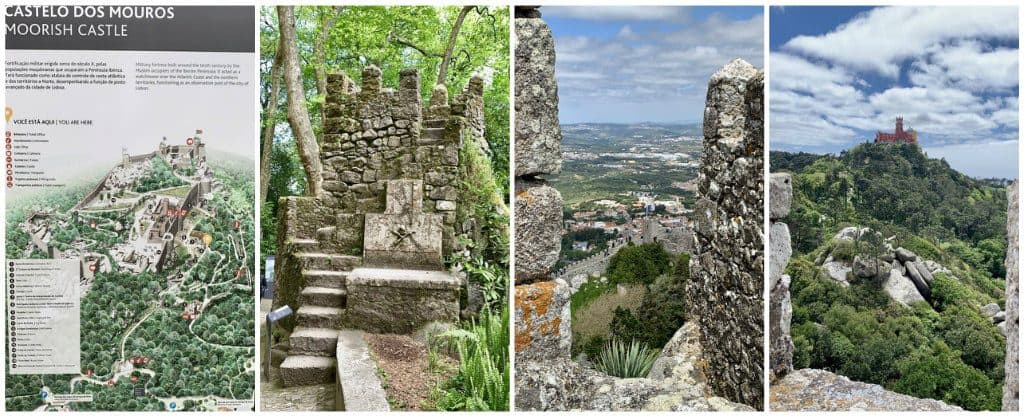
(359, 388)
(819, 390)
(417, 279)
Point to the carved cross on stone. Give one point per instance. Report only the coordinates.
(403, 236)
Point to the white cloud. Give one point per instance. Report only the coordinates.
(880, 39)
(962, 79)
(640, 68)
(618, 13)
(981, 160)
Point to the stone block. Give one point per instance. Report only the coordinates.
(1011, 326)
(400, 301)
(780, 192)
(538, 242)
(780, 314)
(543, 320)
(403, 240)
(359, 387)
(538, 134)
(779, 251)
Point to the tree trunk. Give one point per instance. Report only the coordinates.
(320, 54)
(270, 122)
(442, 73)
(298, 117)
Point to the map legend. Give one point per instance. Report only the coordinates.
(43, 310)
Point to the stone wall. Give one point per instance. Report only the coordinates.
(538, 149)
(1011, 386)
(372, 135)
(726, 289)
(780, 309)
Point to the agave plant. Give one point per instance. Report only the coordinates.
(626, 360)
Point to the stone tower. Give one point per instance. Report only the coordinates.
(368, 252)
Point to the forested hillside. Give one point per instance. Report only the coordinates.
(880, 209)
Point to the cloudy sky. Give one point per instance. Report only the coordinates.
(838, 74)
(633, 64)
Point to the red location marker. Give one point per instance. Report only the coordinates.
(92, 267)
(134, 379)
(238, 224)
(92, 224)
(238, 273)
(188, 141)
(88, 372)
(110, 382)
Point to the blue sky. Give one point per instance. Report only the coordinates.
(838, 74)
(649, 63)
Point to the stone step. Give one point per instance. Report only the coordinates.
(323, 261)
(319, 316)
(437, 123)
(325, 278)
(323, 296)
(304, 244)
(359, 387)
(313, 341)
(306, 370)
(431, 135)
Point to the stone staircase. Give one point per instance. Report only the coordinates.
(314, 340)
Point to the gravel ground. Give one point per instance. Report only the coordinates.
(406, 365)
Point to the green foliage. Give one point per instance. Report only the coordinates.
(481, 199)
(937, 372)
(661, 312)
(493, 280)
(638, 264)
(631, 360)
(159, 177)
(482, 380)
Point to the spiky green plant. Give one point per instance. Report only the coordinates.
(624, 360)
(482, 380)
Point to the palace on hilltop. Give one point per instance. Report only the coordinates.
(899, 136)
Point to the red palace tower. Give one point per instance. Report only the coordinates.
(900, 136)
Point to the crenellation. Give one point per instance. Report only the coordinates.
(374, 136)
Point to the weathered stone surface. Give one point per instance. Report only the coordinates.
(675, 383)
(403, 236)
(838, 271)
(914, 272)
(851, 233)
(538, 144)
(359, 388)
(820, 390)
(868, 267)
(905, 255)
(990, 310)
(400, 301)
(781, 195)
(901, 289)
(1011, 392)
(779, 251)
(727, 267)
(999, 317)
(538, 229)
(304, 370)
(543, 321)
(780, 314)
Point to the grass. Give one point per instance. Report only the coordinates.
(594, 318)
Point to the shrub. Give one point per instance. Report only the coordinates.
(482, 380)
(638, 264)
(631, 360)
(661, 312)
(843, 250)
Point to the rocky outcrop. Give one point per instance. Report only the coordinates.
(780, 309)
(675, 383)
(542, 318)
(725, 293)
(1011, 386)
(820, 390)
